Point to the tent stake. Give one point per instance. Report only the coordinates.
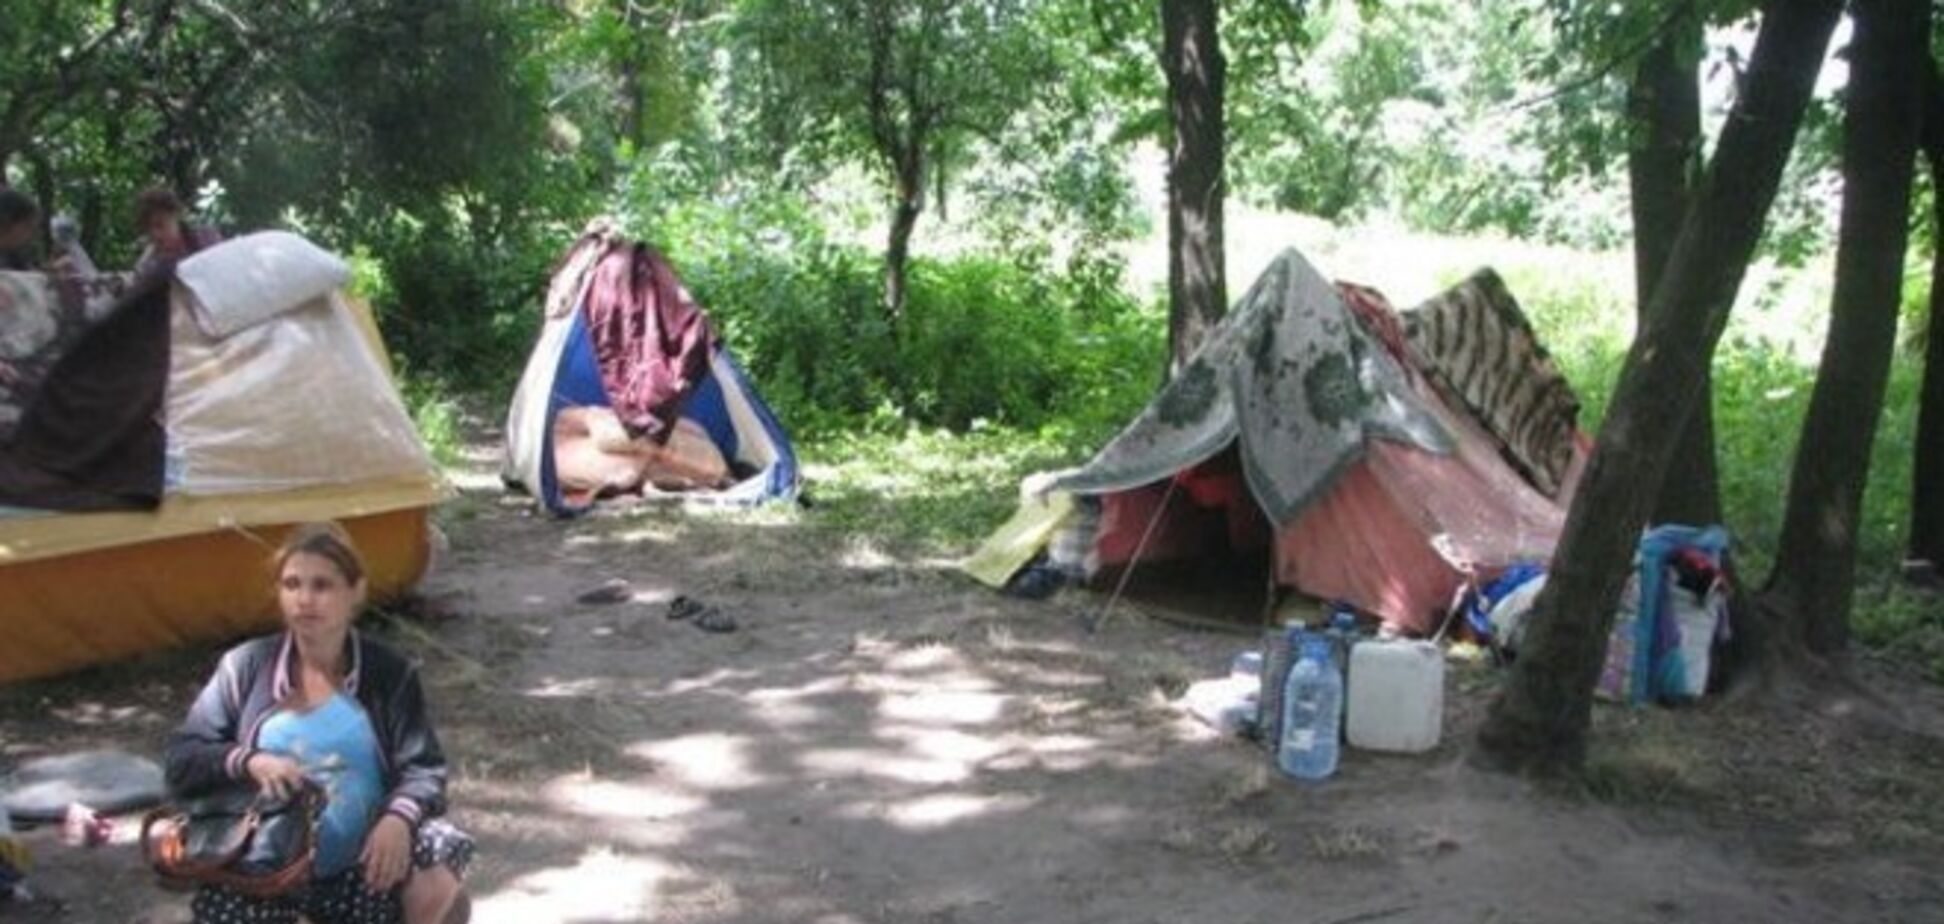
(1100, 621)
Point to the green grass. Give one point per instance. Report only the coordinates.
(437, 415)
(930, 493)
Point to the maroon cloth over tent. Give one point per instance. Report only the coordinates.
(650, 338)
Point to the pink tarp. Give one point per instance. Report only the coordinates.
(1396, 536)
(1403, 530)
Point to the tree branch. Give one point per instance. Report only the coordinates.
(1606, 68)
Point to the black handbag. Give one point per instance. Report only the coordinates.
(236, 837)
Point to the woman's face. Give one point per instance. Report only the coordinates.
(164, 231)
(17, 234)
(316, 600)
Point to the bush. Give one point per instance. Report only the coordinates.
(459, 309)
(990, 339)
(996, 337)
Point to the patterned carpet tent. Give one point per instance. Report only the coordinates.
(1378, 459)
(628, 390)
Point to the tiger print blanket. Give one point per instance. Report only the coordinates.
(1479, 351)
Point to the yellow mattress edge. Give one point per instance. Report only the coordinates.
(32, 538)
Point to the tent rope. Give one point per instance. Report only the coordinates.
(230, 524)
(1127, 573)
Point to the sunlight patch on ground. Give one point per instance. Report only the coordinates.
(553, 688)
(469, 481)
(940, 707)
(602, 886)
(637, 535)
(922, 756)
(926, 658)
(787, 707)
(865, 556)
(869, 762)
(593, 798)
(708, 761)
(1056, 752)
(931, 813)
(710, 680)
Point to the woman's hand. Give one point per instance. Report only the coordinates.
(387, 856)
(275, 774)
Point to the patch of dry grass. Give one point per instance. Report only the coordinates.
(1822, 781)
(1347, 844)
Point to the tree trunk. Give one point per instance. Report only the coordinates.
(904, 218)
(1815, 570)
(629, 83)
(1539, 722)
(1191, 56)
(1664, 105)
(1927, 474)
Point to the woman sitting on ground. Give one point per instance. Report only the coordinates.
(320, 702)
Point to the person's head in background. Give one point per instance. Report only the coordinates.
(19, 215)
(158, 215)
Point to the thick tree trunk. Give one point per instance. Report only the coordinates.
(1927, 474)
(897, 252)
(1191, 56)
(1664, 105)
(1815, 570)
(1539, 722)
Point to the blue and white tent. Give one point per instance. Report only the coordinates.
(563, 373)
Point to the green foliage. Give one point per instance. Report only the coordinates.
(991, 340)
(437, 416)
(458, 307)
(891, 83)
(1420, 110)
(988, 337)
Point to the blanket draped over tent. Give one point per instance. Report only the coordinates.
(42, 317)
(1478, 348)
(88, 393)
(651, 339)
(1365, 481)
(1294, 377)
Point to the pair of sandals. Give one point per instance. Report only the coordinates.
(701, 615)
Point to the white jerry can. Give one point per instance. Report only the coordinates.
(1396, 696)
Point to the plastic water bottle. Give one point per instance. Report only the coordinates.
(1312, 714)
(1343, 634)
(1278, 656)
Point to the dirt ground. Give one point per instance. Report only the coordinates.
(882, 741)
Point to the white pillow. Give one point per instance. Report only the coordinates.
(243, 282)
